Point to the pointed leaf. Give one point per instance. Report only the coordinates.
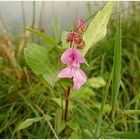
(98, 27)
(42, 35)
(59, 122)
(28, 122)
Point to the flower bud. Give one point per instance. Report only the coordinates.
(81, 26)
(70, 36)
(77, 38)
(80, 45)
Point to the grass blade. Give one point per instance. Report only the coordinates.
(125, 135)
(116, 68)
(137, 97)
(97, 131)
(135, 112)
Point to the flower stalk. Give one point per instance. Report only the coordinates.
(67, 93)
(72, 58)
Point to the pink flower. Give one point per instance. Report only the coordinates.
(72, 57)
(78, 76)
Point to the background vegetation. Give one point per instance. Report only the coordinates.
(31, 108)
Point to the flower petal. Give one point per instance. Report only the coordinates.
(79, 78)
(65, 73)
(78, 56)
(72, 57)
(66, 56)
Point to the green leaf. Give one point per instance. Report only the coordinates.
(96, 82)
(51, 79)
(116, 77)
(59, 123)
(66, 82)
(42, 35)
(98, 27)
(41, 63)
(28, 122)
(125, 135)
(84, 92)
(65, 44)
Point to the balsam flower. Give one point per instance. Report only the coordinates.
(72, 57)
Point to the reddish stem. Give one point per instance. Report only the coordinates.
(67, 92)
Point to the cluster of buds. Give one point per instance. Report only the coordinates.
(76, 37)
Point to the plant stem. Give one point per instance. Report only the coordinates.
(67, 92)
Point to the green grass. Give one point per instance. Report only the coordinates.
(31, 108)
